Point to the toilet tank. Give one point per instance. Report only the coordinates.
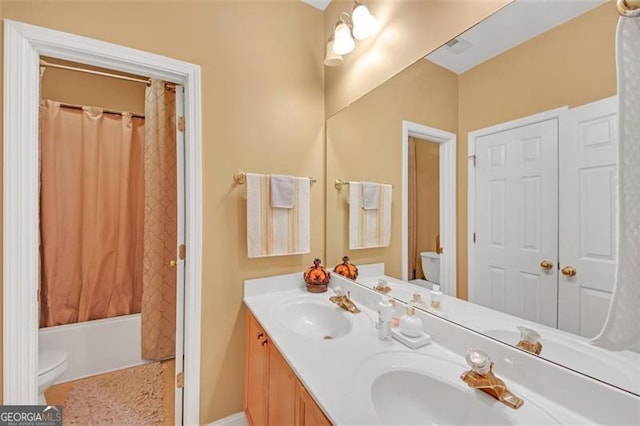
(431, 266)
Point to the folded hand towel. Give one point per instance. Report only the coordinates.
(282, 191)
(370, 195)
(369, 228)
(276, 231)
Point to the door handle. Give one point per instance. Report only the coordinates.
(569, 271)
(546, 265)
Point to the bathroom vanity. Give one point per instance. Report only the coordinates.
(311, 362)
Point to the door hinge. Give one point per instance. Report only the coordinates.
(182, 252)
(474, 159)
(181, 123)
(180, 380)
(474, 237)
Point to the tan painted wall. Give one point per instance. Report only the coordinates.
(364, 143)
(263, 111)
(428, 198)
(572, 65)
(409, 30)
(92, 90)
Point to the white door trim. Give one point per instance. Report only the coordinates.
(23, 44)
(471, 175)
(448, 212)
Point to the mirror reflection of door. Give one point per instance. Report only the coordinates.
(545, 219)
(424, 212)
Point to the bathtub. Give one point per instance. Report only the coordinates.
(96, 347)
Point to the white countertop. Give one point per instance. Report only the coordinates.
(334, 371)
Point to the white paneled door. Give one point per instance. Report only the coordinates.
(516, 222)
(588, 216)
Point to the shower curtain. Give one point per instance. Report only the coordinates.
(91, 214)
(160, 224)
(622, 327)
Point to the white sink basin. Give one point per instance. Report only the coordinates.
(413, 388)
(315, 319)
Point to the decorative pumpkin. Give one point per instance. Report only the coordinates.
(317, 277)
(346, 269)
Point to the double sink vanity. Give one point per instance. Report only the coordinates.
(310, 361)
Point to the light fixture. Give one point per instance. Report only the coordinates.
(331, 58)
(364, 23)
(343, 43)
(360, 24)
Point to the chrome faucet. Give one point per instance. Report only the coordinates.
(343, 299)
(481, 377)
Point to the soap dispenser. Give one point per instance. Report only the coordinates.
(410, 324)
(385, 314)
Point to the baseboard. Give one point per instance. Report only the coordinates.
(237, 419)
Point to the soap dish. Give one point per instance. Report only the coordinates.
(411, 342)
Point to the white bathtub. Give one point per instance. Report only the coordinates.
(95, 347)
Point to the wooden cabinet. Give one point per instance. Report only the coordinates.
(307, 411)
(256, 374)
(273, 395)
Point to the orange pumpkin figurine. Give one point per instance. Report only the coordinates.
(346, 269)
(317, 277)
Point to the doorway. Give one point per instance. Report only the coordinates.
(24, 45)
(447, 200)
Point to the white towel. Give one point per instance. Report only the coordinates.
(622, 327)
(370, 195)
(275, 231)
(369, 228)
(282, 191)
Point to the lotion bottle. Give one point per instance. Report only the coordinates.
(436, 297)
(410, 324)
(385, 313)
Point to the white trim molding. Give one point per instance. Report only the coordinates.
(23, 46)
(471, 179)
(237, 419)
(448, 213)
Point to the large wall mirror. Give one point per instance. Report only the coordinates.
(528, 99)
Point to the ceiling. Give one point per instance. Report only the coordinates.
(318, 4)
(507, 28)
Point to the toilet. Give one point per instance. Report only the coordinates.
(430, 268)
(52, 363)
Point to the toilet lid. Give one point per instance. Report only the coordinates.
(50, 359)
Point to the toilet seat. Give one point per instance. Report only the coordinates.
(50, 360)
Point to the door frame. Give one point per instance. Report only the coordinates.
(471, 176)
(23, 45)
(447, 154)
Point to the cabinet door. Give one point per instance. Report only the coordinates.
(308, 413)
(256, 373)
(282, 390)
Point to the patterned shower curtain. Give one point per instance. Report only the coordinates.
(160, 224)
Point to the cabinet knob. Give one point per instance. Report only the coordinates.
(260, 336)
(264, 342)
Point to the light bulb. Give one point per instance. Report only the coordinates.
(364, 23)
(343, 43)
(331, 59)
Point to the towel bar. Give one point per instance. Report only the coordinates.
(339, 183)
(241, 177)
